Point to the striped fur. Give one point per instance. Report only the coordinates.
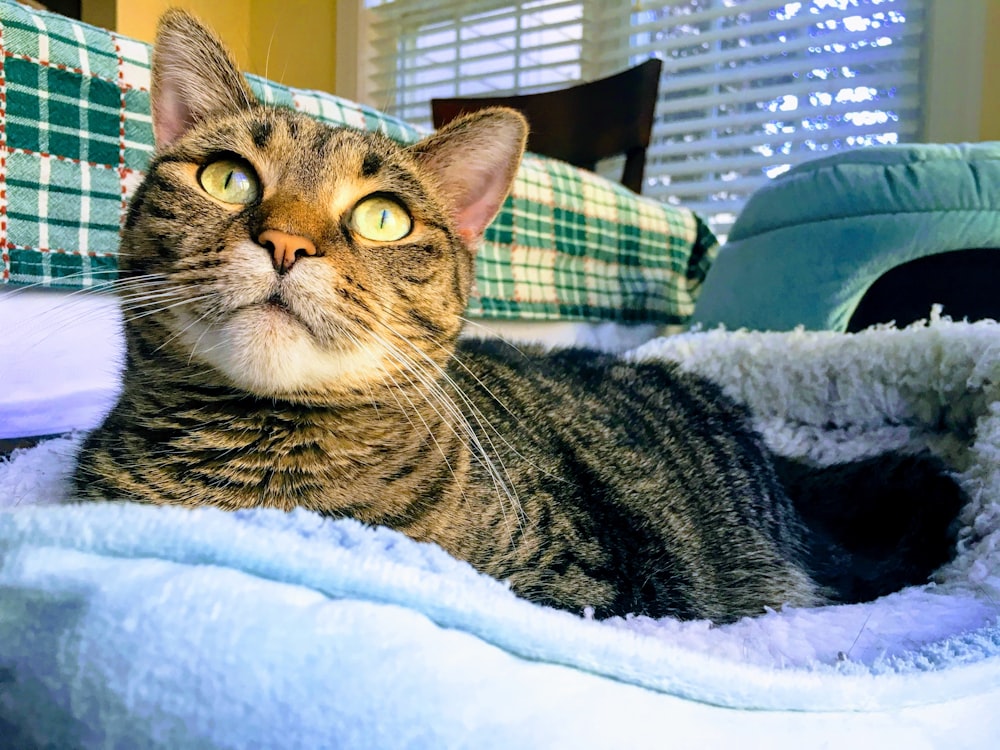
(338, 384)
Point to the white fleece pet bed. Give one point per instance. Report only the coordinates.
(143, 627)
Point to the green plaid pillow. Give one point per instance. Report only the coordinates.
(76, 134)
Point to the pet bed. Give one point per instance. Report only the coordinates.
(809, 245)
(132, 626)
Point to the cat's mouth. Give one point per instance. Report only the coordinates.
(278, 312)
(277, 306)
(277, 302)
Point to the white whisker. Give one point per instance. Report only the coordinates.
(431, 387)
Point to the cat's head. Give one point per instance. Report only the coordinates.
(292, 258)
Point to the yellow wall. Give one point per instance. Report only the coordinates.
(989, 116)
(290, 41)
(294, 42)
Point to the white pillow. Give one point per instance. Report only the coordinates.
(61, 357)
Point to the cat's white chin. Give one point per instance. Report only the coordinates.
(269, 352)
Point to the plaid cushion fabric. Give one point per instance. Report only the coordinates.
(570, 245)
(76, 134)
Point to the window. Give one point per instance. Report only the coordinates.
(750, 87)
(428, 49)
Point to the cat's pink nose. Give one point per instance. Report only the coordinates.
(285, 248)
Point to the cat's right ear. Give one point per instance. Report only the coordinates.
(474, 159)
(193, 76)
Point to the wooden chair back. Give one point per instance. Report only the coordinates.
(585, 123)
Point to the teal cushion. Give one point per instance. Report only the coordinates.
(809, 244)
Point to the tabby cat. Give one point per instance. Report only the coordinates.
(293, 296)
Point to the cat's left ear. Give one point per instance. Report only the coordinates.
(474, 160)
(193, 76)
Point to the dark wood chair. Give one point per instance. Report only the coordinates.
(582, 124)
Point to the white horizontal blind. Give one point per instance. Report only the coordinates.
(442, 48)
(750, 87)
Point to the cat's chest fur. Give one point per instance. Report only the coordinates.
(212, 445)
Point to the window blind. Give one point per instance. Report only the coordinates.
(424, 49)
(749, 88)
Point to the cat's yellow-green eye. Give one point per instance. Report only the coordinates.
(230, 180)
(381, 219)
